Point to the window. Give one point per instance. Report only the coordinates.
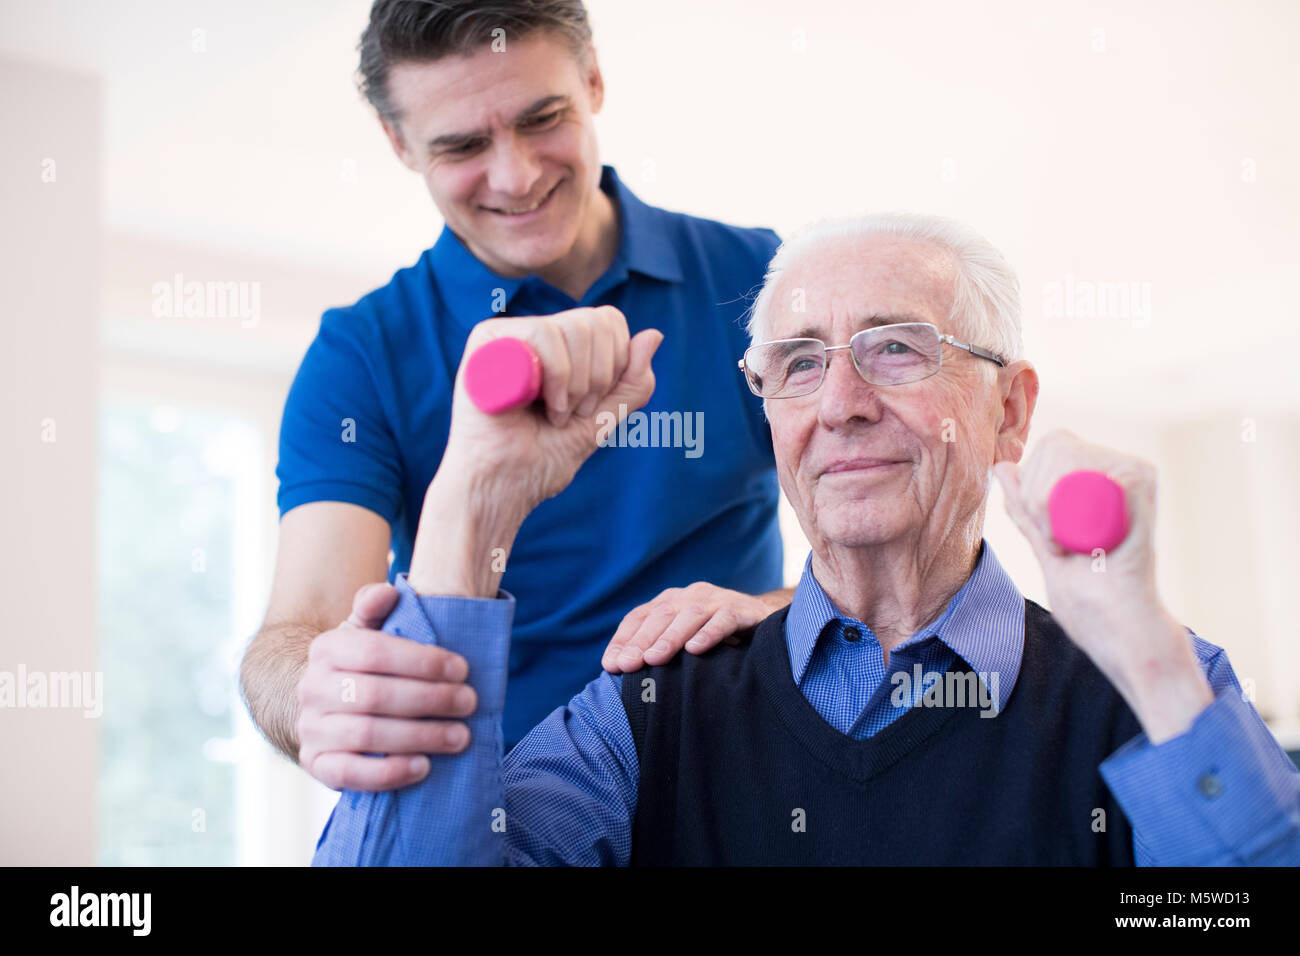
(178, 493)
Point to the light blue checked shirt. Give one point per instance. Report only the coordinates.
(1223, 792)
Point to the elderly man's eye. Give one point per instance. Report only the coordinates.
(901, 350)
(803, 365)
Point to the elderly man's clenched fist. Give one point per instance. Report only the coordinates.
(498, 468)
(589, 366)
(1108, 603)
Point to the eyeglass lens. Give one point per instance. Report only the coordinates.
(888, 355)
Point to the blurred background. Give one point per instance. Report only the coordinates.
(1137, 162)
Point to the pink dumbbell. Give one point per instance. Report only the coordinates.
(502, 375)
(1087, 511)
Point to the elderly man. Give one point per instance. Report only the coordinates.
(853, 726)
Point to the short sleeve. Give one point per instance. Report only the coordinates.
(336, 442)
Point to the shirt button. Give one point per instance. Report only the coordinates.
(1210, 785)
(851, 633)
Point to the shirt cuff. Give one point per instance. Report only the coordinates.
(1214, 794)
(451, 816)
(478, 629)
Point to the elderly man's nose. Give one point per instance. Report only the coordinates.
(845, 394)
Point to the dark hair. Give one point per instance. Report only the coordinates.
(424, 30)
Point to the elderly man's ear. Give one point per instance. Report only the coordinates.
(1018, 386)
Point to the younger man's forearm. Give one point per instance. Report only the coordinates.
(269, 676)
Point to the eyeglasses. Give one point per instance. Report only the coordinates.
(883, 355)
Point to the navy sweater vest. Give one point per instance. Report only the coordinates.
(736, 767)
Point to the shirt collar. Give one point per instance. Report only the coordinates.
(468, 286)
(984, 623)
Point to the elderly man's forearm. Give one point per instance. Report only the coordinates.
(468, 525)
(1166, 691)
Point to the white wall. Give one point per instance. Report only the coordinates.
(49, 279)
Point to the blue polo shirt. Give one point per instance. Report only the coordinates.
(685, 491)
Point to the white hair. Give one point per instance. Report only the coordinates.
(986, 301)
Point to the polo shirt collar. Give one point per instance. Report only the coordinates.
(984, 623)
(468, 286)
(644, 243)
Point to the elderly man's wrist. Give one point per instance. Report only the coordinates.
(1169, 708)
(1162, 680)
(467, 527)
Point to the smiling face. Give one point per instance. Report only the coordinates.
(830, 444)
(506, 145)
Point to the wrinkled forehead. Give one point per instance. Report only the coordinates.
(844, 284)
(467, 92)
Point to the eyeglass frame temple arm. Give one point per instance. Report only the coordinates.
(973, 349)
